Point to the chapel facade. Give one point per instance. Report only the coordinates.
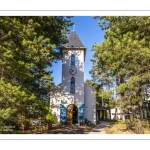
(72, 101)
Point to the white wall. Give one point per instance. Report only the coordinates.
(90, 104)
(55, 101)
(118, 111)
(62, 94)
(78, 97)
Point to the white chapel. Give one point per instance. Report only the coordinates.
(72, 101)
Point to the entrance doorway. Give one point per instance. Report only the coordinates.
(101, 115)
(72, 114)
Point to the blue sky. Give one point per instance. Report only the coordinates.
(89, 33)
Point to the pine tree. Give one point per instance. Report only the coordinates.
(28, 46)
(124, 56)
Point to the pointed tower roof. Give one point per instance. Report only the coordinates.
(75, 43)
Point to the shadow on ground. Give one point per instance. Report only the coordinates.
(71, 129)
(64, 129)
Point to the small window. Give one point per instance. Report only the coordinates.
(72, 60)
(72, 85)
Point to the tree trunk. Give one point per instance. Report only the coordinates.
(137, 114)
(120, 113)
(139, 128)
(127, 119)
(21, 127)
(133, 113)
(116, 114)
(103, 114)
(143, 111)
(147, 112)
(128, 122)
(49, 126)
(109, 113)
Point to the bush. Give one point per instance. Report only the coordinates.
(49, 117)
(97, 122)
(86, 121)
(27, 124)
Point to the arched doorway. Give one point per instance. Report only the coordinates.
(72, 114)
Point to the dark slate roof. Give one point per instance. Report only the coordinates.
(74, 41)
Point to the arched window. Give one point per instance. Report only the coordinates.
(72, 60)
(72, 85)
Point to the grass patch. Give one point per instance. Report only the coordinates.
(146, 126)
(119, 127)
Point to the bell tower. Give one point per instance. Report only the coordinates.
(72, 88)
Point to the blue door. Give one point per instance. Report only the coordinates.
(62, 113)
(81, 113)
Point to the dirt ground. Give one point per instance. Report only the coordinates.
(64, 129)
(71, 129)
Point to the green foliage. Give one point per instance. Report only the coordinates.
(27, 124)
(123, 57)
(13, 101)
(87, 121)
(28, 46)
(49, 117)
(23, 54)
(97, 122)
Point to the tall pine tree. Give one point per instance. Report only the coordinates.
(28, 46)
(124, 56)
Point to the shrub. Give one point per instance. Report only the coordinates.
(27, 124)
(49, 117)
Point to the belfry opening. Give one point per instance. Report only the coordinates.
(72, 114)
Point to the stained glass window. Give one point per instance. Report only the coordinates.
(72, 60)
(72, 85)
